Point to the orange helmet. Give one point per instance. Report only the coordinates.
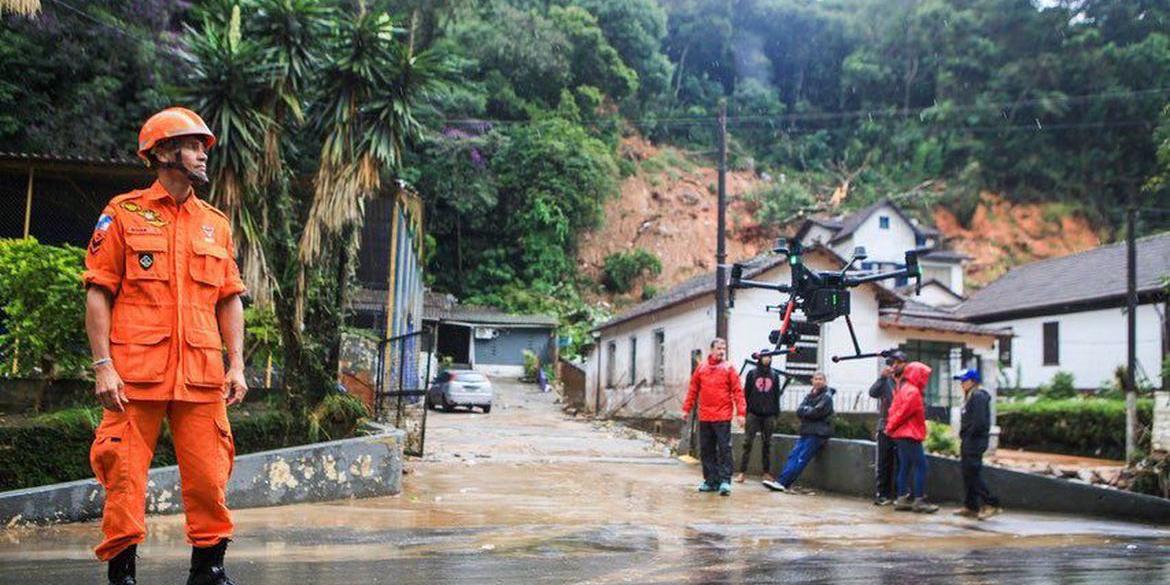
(170, 123)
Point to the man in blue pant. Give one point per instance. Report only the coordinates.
(816, 427)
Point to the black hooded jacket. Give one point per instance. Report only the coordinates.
(762, 391)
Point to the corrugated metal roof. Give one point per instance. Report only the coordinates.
(479, 315)
(61, 158)
(1094, 275)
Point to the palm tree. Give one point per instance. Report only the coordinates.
(276, 79)
(25, 7)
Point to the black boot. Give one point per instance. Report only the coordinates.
(120, 569)
(207, 566)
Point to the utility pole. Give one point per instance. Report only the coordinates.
(721, 235)
(1131, 302)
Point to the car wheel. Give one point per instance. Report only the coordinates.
(486, 409)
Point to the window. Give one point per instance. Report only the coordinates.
(633, 360)
(1005, 351)
(884, 222)
(1052, 343)
(610, 364)
(659, 372)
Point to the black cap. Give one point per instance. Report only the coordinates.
(896, 356)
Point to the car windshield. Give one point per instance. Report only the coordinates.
(468, 377)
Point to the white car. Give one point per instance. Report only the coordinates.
(467, 388)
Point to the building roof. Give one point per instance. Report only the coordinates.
(909, 289)
(705, 284)
(945, 256)
(914, 314)
(120, 166)
(443, 307)
(1061, 284)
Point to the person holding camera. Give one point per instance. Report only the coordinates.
(885, 452)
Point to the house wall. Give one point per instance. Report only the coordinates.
(817, 234)
(1092, 346)
(881, 245)
(690, 326)
(950, 274)
(508, 348)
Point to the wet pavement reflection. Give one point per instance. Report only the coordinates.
(527, 495)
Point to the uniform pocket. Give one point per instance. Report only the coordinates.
(209, 263)
(109, 455)
(139, 352)
(227, 441)
(203, 358)
(147, 257)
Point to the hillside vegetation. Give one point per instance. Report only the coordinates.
(551, 108)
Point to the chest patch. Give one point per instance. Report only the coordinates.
(151, 216)
(146, 260)
(208, 232)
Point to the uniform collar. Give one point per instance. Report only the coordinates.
(157, 192)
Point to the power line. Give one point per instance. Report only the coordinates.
(90, 18)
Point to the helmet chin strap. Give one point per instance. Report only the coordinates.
(195, 178)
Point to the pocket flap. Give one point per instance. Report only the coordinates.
(139, 335)
(204, 338)
(146, 242)
(209, 249)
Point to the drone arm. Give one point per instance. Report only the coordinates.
(784, 288)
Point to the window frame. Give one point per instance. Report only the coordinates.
(1050, 343)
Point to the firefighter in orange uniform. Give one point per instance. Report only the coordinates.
(162, 301)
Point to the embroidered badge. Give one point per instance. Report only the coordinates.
(209, 233)
(151, 216)
(103, 223)
(95, 243)
(146, 260)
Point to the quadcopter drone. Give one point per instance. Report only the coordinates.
(822, 296)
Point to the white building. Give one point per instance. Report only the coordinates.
(644, 357)
(886, 233)
(1068, 314)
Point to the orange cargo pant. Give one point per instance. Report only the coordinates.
(121, 454)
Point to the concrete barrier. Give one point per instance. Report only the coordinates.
(847, 467)
(350, 468)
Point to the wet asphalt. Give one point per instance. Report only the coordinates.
(528, 495)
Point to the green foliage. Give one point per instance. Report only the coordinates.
(621, 269)
(336, 416)
(649, 291)
(531, 364)
(1060, 387)
(42, 315)
(941, 439)
(784, 201)
(1089, 427)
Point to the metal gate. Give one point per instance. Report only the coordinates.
(403, 373)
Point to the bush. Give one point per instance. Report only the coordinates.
(531, 363)
(622, 268)
(649, 291)
(1061, 387)
(61, 439)
(42, 310)
(940, 439)
(1090, 427)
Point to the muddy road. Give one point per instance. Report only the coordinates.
(527, 495)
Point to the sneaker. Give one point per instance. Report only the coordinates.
(707, 487)
(988, 511)
(920, 506)
(966, 513)
(774, 485)
(883, 501)
(739, 477)
(725, 489)
(903, 504)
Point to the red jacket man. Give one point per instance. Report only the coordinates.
(716, 385)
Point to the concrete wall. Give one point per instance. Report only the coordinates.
(1092, 346)
(1161, 438)
(690, 326)
(846, 467)
(350, 468)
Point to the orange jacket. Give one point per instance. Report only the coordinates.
(907, 419)
(167, 266)
(717, 386)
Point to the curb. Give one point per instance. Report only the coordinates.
(360, 467)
